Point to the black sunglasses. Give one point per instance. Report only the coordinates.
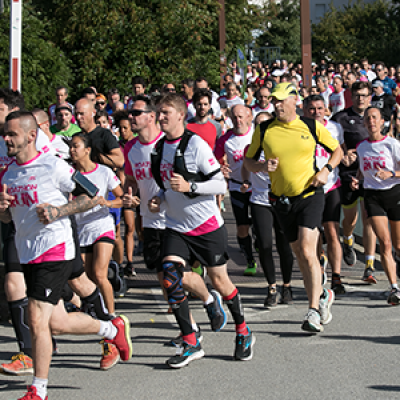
(136, 113)
(101, 103)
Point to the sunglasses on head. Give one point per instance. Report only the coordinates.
(136, 113)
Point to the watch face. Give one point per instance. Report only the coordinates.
(193, 187)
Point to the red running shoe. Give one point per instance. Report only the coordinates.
(122, 339)
(31, 394)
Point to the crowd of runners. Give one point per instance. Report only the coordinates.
(292, 158)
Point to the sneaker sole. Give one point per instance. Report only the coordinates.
(25, 372)
(127, 328)
(112, 365)
(396, 301)
(218, 296)
(306, 326)
(329, 319)
(249, 273)
(248, 358)
(370, 280)
(195, 356)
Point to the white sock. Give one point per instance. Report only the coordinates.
(195, 327)
(41, 386)
(209, 300)
(394, 286)
(369, 258)
(348, 237)
(107, 330)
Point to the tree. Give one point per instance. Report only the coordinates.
(358, 30)
(43, 66)
(282, 28)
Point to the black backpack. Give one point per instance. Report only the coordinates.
(179, 162)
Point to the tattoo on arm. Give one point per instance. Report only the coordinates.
(81, 203)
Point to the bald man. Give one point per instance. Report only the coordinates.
(105, 148)
(232, 145)
(48, 141)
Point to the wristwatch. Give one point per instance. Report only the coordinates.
(193, 187)
(328, 167)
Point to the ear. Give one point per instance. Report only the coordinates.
(32, 135)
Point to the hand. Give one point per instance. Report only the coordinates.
(320, 178)
(47, 213)
(130, 201)
(178, 184)
(272, 164)
(154, 204)
(354, 184)
(226, 171)
(102, 201)
(383, 174)
(350, 157)
(5, 199)
(244, 188)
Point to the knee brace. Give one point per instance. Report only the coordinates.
(173, 272)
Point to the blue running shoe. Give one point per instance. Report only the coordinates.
(216, 313)
(244, 346)
(186, 354)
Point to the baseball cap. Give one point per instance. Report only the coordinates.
(378, 84)
(64, 106)
(283, 90)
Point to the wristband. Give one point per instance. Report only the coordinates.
(328, 167)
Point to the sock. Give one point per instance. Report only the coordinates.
(195, 327)
(369, 261)
(41, 387)
(190, 339)
(241, 329)
(182, 315)
(369, 258)
(19, 318)
(107, 330)
(95, 307)
(394, 286)
(246, 247)
(348, 239)
(235, 307)
(209, 300)
(335, 275)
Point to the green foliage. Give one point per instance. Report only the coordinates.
(282, 28)
(358, 30)
(44, 65)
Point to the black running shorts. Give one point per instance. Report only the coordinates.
(379, 203)
(240, 207)
(209, 249)
(332, 206)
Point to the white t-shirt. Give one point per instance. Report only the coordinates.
(233, 146)
(257, 109)
(138, 165)
(322, 156)
(44, 179)
(337, 102)
(199, 215)
(260, 186)
(326, 94)
(383, 154)
(97, 221)
(232, 102)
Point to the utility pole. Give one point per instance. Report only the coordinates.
(222, 39)
(306, 56)
(15, 44)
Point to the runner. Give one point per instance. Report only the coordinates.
(194, 228)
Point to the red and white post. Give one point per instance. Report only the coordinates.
(15, 44)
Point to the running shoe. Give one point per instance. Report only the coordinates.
(20, 365)
(32, 395)
(286, 295)
(349, 255)
(369, 275)
(216, 313)
(394, 297)
(337, 285)
(251, 269)
(312, 322)
(178, 341)
(324, 263)
(270, 300)
(325, 304)
(110, 355)
(244, 346)
(122, 339)
(186, 354)
(129, 269)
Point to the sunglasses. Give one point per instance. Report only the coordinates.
(379, 69)
(101, 103)
(136, 113)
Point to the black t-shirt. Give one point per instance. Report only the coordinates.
(354, 133)
(103, 141)
(386, 103)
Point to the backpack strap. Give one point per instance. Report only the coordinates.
(312, 126)
(156, 157)
(263, 127)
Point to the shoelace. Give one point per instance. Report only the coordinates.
(19, 357)
(106, 348)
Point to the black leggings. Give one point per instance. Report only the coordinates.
(263, 219)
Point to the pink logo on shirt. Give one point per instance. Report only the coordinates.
(211, 161)
(373, 163)
(238, 155)
(32, 178)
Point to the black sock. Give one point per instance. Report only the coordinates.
(246, 247)
(181, 312)
(95, 307)
(19, 318)
(335, 275)
(235, 307)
